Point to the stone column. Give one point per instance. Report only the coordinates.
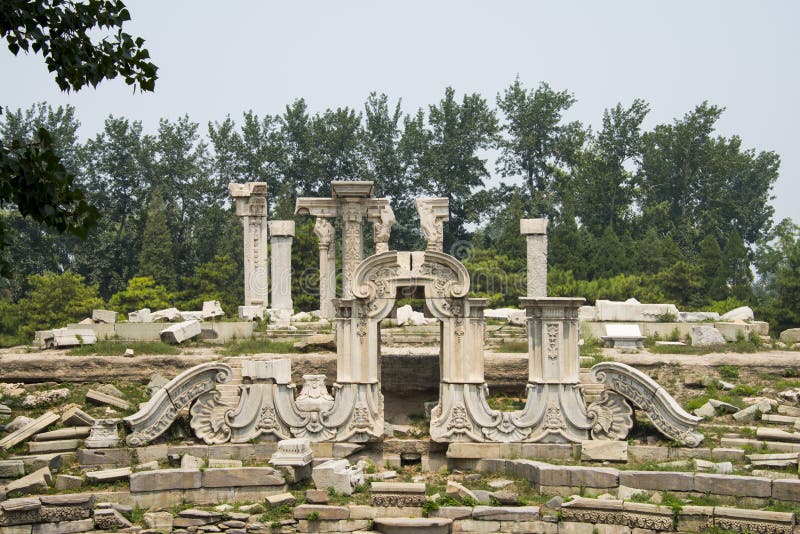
(535, 232)
(433, 212)
(281, 234)
(555, 392)
(251, 207)
(327, 267)
(352, 243)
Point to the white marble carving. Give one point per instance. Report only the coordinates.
(612, 416)
(338, 475)
(644, 393)
(160, 411)
(251, 207)
(103, 434)
(295, 452)
(382, 229)
(433, 213)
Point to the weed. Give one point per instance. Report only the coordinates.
(729, 372)
(257, 346)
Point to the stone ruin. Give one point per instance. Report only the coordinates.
(554, 412)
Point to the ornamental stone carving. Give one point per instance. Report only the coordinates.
(644, 393)
(433, 213)
(155, 417)
(612, 416)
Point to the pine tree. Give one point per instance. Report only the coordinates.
(157, 259)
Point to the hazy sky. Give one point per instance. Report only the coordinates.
(218, 58)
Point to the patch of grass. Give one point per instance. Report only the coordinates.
(781, 385)
(728, 372)
(277, 513)
(519, 347)
(256, 346)
(108, 347)
(506, 404)
(642, 496)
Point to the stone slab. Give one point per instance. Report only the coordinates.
(604, 450)
(323, 511)
(241, 476)
(740, 486)
(165, 479)
(34, 427)
(61, 445)
(102, 398)
(657, 480)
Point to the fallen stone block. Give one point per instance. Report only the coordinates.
(73, 337)
(64, 527)
(503, 513)
(252, 313)
(790, 336)
(398, 494)
(743, 313)
(220, 462)
(604, 450)
(75, 432)
(102, 398)
(706, 411)
(110, 519)
(11, 468)
(61, 445)
(76, 417)
(191, 462)
(316, 496)
(339, 475)
(34, 427)
(121, 457)
(704, 336)
(459, 491)
(109, 475)
(774, 434)
(37, 481)
(140, 316)
(68, 482)
(750, 413)
(160, 521)
(104, 316)
(192, 316)
(281, 499)
(178, 333)
(165, 316)
(212, 309)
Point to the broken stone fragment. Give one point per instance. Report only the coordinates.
(178, 333)
(104, 316)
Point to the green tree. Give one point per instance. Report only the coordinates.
(33, 179)
(219, 279)
(156, 259)
(736, 267)
(681, 283)
(712, 269)
(55, 300)
(538, 146)
(141, 292)
(606, 186)
(450, 164)
(778, 263)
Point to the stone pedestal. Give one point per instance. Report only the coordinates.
(251, 207)
(535, 232)
(281, 234)
(555, 407)
(327, 267)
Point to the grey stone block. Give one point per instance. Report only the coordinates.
(657, 480)
(241, 476)
(166, 479)
(733, 485)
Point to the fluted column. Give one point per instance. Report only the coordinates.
(251, 207)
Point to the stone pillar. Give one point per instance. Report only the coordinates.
(433, 212)
(554, 385)
(251, 207)
(281, 234)
(352, 244)
(535, 232)
(327, 267)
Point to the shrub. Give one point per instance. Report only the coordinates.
(141, 292)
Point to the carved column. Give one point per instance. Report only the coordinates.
(555, 407)
(281, 234)
(535, 232)
(251, 207)
(327, 267)
(352, 243)
(433, 212)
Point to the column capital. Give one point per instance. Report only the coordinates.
(533, 226)
(281, 228)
